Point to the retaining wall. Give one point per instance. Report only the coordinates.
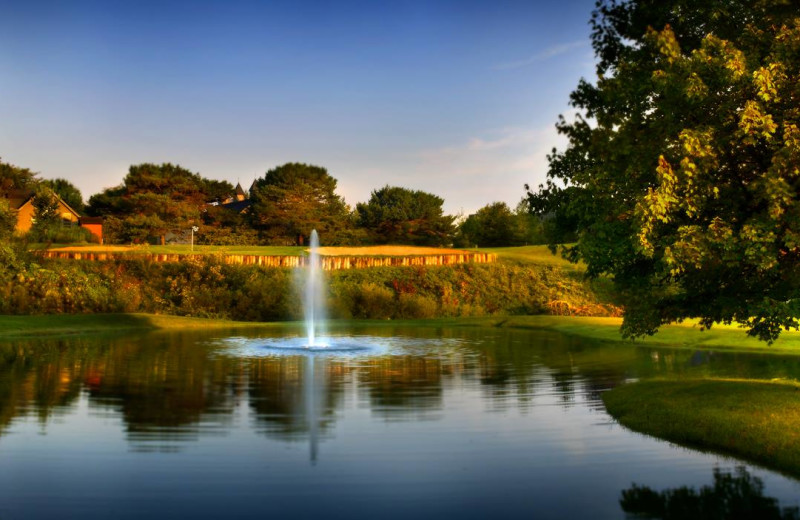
(328, 262)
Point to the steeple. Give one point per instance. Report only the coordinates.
(240, 194)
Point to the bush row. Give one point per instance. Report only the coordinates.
(203, 286)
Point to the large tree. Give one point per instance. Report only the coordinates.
(493, 225)
(293, 199)
(156, 199)
(682, 176)
(403, 216)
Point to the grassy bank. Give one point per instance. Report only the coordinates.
(532, 255)
(206, 287)
(67, 325)
(755, 420)
(687, 335)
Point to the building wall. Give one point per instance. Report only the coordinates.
(25, 217)
(66, 214)
(95, 229)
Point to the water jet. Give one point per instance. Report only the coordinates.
(314, 295)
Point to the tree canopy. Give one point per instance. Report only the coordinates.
(403, 216)
(493, 225)
(682, 173)
(295, 198)
(156, 199)
(15, 178)
(68, 192)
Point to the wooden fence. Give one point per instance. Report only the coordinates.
(328, 262)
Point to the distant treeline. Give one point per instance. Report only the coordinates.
(162, 203)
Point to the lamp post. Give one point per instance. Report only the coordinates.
(194, 228)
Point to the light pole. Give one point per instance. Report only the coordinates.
(194, 228)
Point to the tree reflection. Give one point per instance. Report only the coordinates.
(403, 386)
(291, 397)
(733, 496)
(172, 388)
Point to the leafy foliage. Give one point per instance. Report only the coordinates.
(401, 216)
(204, 286)
(46, 211)
(295, 198)
(681, 178)
(15, 178)
(154, 200)
(494, 225)
(8, 220)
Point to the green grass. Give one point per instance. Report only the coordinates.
(71, 324)
(686, 335)
(231, 250)
(186, 249)
(532, 255)
(683, 335)
(755, 420)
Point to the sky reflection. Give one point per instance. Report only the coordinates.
(488, 423)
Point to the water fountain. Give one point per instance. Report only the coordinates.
(313, 295)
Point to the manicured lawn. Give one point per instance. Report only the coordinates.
(382, 251)
(537, 255)
(185, 249)
(755, 420)
(683, 335)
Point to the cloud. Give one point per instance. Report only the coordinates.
(493, 165)
(548, 53)
(489, 168)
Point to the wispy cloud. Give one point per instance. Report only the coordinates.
(548, 53)
(489, 168)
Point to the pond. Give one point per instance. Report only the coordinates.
(465, 422)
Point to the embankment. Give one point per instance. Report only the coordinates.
(209, 286)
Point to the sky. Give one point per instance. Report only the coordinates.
(456, 98)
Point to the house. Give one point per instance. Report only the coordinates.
(22, 202)
(238, 195)
(240, 201)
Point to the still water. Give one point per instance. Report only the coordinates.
(425, 423)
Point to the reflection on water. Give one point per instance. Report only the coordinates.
(469, 421)
(733, 495)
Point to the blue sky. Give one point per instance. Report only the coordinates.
(457, 98)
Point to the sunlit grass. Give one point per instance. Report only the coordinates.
(536, 255)
(183, 249)
(685, 335)
(71, 324)
(755, 420)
